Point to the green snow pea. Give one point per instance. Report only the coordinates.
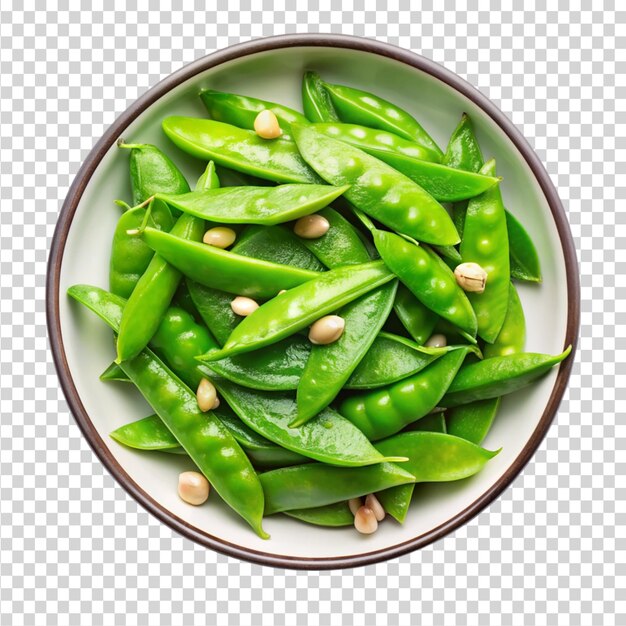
(130, 256)
(472, 421)
(417, 319)
(152, 171)
(485, 241)
(276, 244)
(316, 102)
(316, 484)
(429, 279)
(331, 515)
(298, 307)
(463, 151)
(214, 308)
(255, 205)
(150, 433)
(328, 438)
(445, 184)
(329, 367)
(115, 373)
(225, 270)
(241, 111)
(383, 412)
(364, 108)
(209, 444)
(154, 291)
(376, 188)
(498, 376)
(387, 361)
(341, 245)
(277, 160)
(524, 258)
(433, 457)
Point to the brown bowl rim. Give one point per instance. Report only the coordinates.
(69, 209)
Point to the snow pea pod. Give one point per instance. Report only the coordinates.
(130, 256)
(417, 319)
(150, 433)
(255, 205)
(316, 102)
(209, 444)
(329, 437)
(429, 279)
(331, 515)
(316, 484)
(485, 241)
(243, 150)
(152, 171)
(341, 245)
(364, 108)
(463, 151)
(225, 270)
(154, 291)
(276, 244)
(512, 336)
(523, 254)
(214, 308)
(329, 367)
(445, 184)
(241, 111)
(433, 457)
(376, 188)
(498, 376)
(383, 412)
(114, 373)
(298, 307)
(387, 361)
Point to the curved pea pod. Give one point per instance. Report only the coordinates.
(255, 205)
(341, 245)
(523, 254)
(387, 361)
(377, 188)
(316, 102)
(418, 320)
(329, 367)
(445, 184)
(433, 457)
(512, 336)
(485, 241)
(276, 244)
(130, 255)
(498, 376)
(364, 108)
(225, 270)
(243, 110)
(429, 279)
(214, 308)
(154, 291)
(472, 421)
(331, 515)
(149, 433)
(277, 160)
(209, 444)
(298, 307)
(107, 306)
(152, 171)
(277, 367)
(384, 412)
(463, 151)
(328, 438)
(314, 485)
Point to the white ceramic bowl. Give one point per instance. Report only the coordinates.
(272, 69)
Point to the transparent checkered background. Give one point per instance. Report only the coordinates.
(75, 549)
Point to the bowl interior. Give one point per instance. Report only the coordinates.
(275, 75)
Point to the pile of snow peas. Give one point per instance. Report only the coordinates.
(329, 317)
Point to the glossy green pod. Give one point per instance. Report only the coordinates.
(331, 516)
(316, 102)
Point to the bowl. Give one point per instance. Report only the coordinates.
(271, 69)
